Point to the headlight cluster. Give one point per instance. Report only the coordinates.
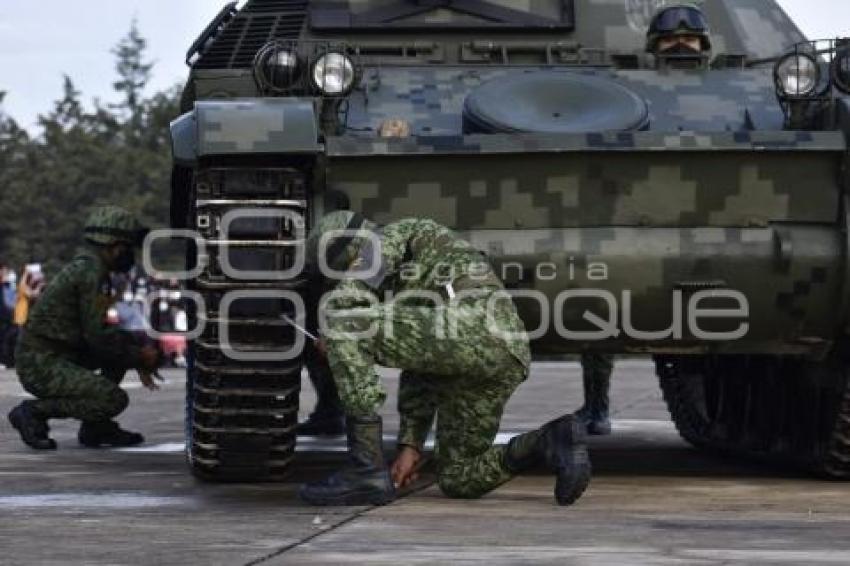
(797, 75)
(333, 74)
(284, 69)
(802, 75)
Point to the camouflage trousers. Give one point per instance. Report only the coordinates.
(64, 388)
(463, 379)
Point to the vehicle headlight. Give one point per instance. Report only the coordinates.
(334, 74)
(277, 68)
(282, 68)
(797, 75)
(283, 63)
(841, 70)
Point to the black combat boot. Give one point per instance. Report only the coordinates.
(366, 479)
(32, 426)
(560, 446)
(99, 434)
(323, 423)
(600, 421)
(597, 384)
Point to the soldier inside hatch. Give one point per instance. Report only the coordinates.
(67, 338)
(679, 37)
(461, 376)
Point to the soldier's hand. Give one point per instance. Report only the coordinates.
(405, 469)
(150, 358)
(149, 380)
(321, 347)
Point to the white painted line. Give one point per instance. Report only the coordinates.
(337, 444)
(90, 500)
(166, 448)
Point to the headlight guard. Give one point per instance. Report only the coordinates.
(278, 68)
(840, 69)
(307, 68)
(797, 75)
(334, 74)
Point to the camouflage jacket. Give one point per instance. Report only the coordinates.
(70, 316)
(422, 255)
(419, 255)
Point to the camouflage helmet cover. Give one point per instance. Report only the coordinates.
(678, 19)
(107, 225)
(340, 251)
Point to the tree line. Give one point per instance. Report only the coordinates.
(78, 159)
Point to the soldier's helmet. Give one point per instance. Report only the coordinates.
(346, 231)
(676, 20)
(107, 225)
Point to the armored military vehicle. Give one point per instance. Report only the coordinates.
(633, 204)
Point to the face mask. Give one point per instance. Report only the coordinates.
(682, 49)
(128, 297)
(125, 261)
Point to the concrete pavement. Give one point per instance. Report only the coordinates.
(653, 500)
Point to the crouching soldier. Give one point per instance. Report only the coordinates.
(67, 338)
(462, 357)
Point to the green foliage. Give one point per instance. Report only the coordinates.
(82, 158)
(133, 72)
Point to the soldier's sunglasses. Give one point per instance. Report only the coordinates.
(673, 19)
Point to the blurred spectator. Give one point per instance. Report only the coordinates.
(8, 331)
(30, 288)
(130, 312)
(144, 303)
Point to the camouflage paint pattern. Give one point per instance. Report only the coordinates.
(65, 389)
(107, 225)
(432, 99)
(454, 366)
(716, 193)
(66, 338)
(70, 317)
(465, 382)
(684, 179)
(255, 127)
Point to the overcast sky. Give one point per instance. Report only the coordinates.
(40, 40)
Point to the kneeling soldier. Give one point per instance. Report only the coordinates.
(462, 357)
(67, 337)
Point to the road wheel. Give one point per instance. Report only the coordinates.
(787, 410)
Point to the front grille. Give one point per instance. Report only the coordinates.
(258, 23)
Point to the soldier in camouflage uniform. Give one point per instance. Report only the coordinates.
(67, 339)
(444, 320)
(679, 37)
